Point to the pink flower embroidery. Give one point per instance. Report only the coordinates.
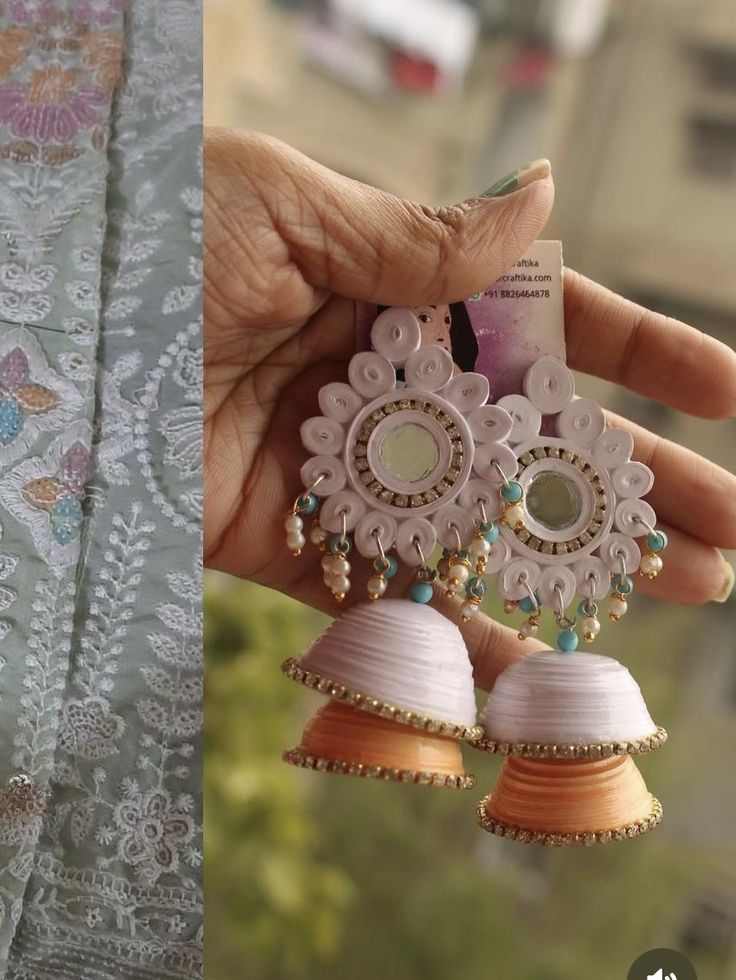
(31, 11)
(49, 108)
(98, 11)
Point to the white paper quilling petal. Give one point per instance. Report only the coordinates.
(413, 531)
(342, 509)
(632, 480)
(592, 572)
(498, 556)
(330, 469)
(428, 368)
(527, 419)
(476, 491)
(467, 391)
(339, 401)
(551, 698)
(395, 334)
(372, 526)
(582, 422)
(554, 578)
(618, 548)
(632, 516)
(549, 385)
(454, 525)
(371, 374)
(490, 453)
(490, 423)
(403, 653)
(322, 436)
(613, 448)
(511, 580)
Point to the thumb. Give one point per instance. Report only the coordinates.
(367, 244)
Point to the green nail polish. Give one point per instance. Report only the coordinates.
(504, 186)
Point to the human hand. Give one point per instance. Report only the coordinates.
(289, 247)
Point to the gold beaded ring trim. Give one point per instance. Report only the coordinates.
(592, 750)
(526, 836)
(365, 702)
(295, 757)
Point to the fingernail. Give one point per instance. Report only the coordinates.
(519, 178)
(728, 581)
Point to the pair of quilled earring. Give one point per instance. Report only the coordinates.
(399, 467)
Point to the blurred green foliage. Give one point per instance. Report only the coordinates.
(320, 876)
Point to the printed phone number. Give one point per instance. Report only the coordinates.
(519, 293)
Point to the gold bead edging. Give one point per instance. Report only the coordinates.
(295, 757)
(365, 702)
(525, 836)
(592, 750)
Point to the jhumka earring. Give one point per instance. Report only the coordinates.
(568, 723)
(397, 467)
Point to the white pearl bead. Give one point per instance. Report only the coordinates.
(326, 563)
(479, 548)
(591, 626)
(514, 515)
(295, 541)
(340, 566)
(293, 523)
(469, 609)
(460, 572)
(527, 629)
(509, 606)
(617, 607)
(317, 535)
(651, 565)
(340, 583)
(377, 585)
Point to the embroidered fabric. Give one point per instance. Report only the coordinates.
(100, 489)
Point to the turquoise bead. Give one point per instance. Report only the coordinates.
(586, 608)
(567, 641)
(490, 532)
(421, 591)
(512, 492)
(624, 586)
(476, 586)
(307, 504)
(339, 545)
(387, 566)
(657, 541)
(526, 605)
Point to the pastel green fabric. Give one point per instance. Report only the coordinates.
(100, 489)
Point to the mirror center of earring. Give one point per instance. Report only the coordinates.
(409, 452)
(554, 501)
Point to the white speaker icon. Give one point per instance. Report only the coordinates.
(659, 976)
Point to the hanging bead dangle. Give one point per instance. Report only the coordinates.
(305, 505)
(531, 605)
(384, 568)
(567, 638)
(421, 589)
(512, 496)
(622, 589)
(656, 541)
(459, 567)
(479, 549)
(335, 564)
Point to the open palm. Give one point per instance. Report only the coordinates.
(290, 246)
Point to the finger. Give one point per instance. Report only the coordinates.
(694, 573)
(362, 242)
(492, 646)
(689, 492)
(659, 357)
